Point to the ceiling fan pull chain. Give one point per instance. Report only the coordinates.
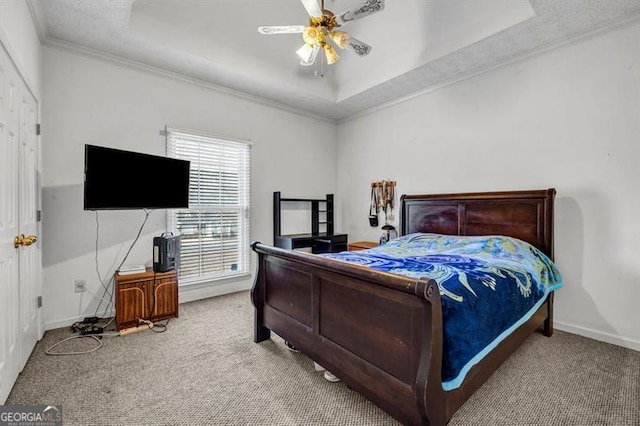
(321, 66)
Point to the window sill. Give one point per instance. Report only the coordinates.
(191, 283)
(214, 287)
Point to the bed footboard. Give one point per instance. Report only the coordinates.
(381, 334)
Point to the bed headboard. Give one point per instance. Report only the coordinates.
(527, 215)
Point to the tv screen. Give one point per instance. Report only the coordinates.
(117, 180)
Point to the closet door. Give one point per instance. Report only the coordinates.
(9, 226)
(29, 255)
(20, 258)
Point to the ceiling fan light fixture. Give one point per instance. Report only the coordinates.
(313, 35)
(331, 54)
(314, 55)
(320, 34)
(340, 38)
(308, 53)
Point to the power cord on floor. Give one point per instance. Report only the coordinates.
(162, 327)
(96, 337)
(48, 351)
(88, 327)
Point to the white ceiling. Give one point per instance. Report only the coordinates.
(417, 44)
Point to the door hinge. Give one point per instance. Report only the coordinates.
(39, 301)
(38, 215)
(38, 129)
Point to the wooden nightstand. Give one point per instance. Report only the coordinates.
(148, 295)
(362, 245)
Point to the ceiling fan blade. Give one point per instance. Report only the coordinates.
(312, 7)
(360, 48)
(281, 29)
(367, 8)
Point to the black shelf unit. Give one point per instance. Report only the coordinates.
(319, 242)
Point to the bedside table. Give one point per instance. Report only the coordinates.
(362, 245)
(148, 295)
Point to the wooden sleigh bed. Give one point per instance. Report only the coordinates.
(381, 333)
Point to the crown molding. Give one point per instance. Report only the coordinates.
(523, 57)
(36, 16)
(55, 43)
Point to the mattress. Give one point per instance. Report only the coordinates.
(489, 286)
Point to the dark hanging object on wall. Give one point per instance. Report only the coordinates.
(373, 208)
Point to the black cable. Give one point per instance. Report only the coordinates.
(110, 288)
(162, 327)
(105, 287)
(153, 293)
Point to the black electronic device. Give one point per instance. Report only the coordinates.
(119, 180)
(166, 253)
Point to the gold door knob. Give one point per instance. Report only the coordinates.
(21, 240)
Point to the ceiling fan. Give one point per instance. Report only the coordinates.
(321, 32)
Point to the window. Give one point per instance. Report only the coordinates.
(214, 230)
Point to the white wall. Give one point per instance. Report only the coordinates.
(89, 100)
(568, 118)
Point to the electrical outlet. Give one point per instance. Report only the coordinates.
(80, 286)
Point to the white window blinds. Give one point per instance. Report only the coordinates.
(214, 231)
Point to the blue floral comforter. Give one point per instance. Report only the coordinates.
(488, 285)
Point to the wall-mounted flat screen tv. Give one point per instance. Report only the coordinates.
(121, 180)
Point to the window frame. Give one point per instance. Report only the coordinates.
(243, 208)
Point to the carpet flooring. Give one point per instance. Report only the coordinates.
(206, 370)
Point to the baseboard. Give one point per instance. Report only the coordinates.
(193, 294)
(598, 335)
(186, 294)
(67, 322)
(190, 294)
